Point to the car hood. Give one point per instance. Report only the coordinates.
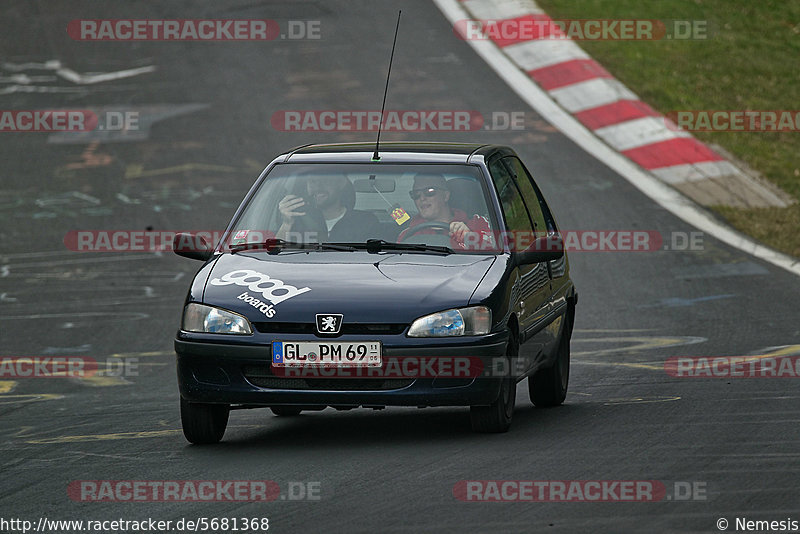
(365, 288)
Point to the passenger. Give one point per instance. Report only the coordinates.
(331, 204)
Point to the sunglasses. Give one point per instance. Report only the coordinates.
(430, 192)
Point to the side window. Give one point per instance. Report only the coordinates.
(514, 209)
(532, 200)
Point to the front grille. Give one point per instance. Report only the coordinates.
(261, 376)
(285, 328)
(347, 328)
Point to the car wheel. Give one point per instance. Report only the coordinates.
(203, 423)
(497, 416)
(285, 411)
(548, 387)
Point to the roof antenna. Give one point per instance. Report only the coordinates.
(375, 156)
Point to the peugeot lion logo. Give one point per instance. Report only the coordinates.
(329, 323)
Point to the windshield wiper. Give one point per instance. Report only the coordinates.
(274, 246)
(374, 246)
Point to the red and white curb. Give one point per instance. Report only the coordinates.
(613, 112)
(597, 112)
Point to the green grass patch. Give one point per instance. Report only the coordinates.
(748, 61)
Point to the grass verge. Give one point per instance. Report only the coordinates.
(748, 61)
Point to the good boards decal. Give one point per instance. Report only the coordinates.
(273, 291)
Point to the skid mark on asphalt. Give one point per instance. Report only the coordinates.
(102, 381)
(765, 353)
(144, 354)
(149, 434)
(66, 73)
(109, 374)
(719, 270)
(105, 437)
(628, 344)
(86, 347)
(678, 302)
(620, 400)
(22, 399)
(133, 316)
(653, 366)
(137, 171)
(26, 203)
(136, 125)
(640, 400)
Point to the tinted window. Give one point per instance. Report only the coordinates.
(532, 200)
(516, 215)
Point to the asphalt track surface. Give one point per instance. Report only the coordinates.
(625, 418)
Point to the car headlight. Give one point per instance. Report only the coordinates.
(207, 319)
(473, 321)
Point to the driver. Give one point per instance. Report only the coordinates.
(431, 196)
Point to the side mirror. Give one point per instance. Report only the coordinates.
(191, 246)
(545, 248)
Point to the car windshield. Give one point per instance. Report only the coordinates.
(436, 205)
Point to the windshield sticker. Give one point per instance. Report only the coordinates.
(239, 237)
(400, 215)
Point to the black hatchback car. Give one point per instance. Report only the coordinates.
(430, 275)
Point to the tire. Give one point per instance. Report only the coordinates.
(204, 423)
(286, 411)
(496, 418)
(548, 387)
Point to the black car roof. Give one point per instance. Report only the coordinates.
(408, 152)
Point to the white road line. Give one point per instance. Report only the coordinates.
(591, 93)
(532, 55)
(664, 195)
(11, 89)
(638, 132)
(88, 79)
(50, 64)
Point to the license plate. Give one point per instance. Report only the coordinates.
(326, 354)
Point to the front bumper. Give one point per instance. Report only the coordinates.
(241, 374)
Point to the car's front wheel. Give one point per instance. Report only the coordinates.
(496, 417)
(548, 387)
(203, 423)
